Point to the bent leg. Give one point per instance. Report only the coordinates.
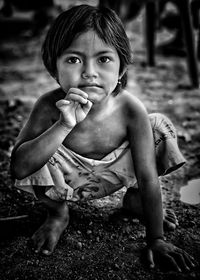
(132, 204)
(168, 159)
(46, 237)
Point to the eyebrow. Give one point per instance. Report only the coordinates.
(82, 54)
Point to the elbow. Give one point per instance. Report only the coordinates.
(17, 171)
(18, 176)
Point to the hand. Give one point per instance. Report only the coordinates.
(171, 256)
(74, 108)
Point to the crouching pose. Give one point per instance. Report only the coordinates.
(90, 137)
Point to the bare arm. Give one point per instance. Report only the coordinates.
(143, 151)
(40, 138)
(142, 148)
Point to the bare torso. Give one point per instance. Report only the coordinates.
(99, 133)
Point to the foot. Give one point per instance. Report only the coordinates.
(170, 221)
(46, 237)
(132, 205)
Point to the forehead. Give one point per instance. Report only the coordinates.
(90, 42)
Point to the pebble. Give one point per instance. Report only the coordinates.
(128, 230)
(135, 221)
(116, 266)
(89, 232)
(79, 245)
(132, 238)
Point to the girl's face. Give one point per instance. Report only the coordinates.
(90, 65)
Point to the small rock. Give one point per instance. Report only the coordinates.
(116, 266)
(128, 229)
(79, 245)
(132, 237)
(135, 221)
(89, 232)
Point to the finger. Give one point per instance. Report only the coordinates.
(150, 259)
(77, 98)
(77, 91)
(87, 106)
(188, 259)
(179, 258)
(172, 263)
(82, 110)
(62, 102)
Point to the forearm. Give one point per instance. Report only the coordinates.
(153, 211)
(32, 155)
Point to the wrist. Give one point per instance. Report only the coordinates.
(151, 240)
(64, 126)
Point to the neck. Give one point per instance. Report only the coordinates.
(99, 106)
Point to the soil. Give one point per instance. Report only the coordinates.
(101, 242)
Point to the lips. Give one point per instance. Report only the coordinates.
(90, 86)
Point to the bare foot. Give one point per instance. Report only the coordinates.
(170, 221)
(46, 237)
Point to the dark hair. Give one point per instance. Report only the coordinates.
(79, 19)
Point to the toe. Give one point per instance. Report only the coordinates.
(170, 219)
(50, 245)
(169, 226)
(37, 242)
(46, 252)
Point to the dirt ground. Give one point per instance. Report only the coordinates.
(101, 242)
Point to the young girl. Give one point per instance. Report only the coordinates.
(90, 137)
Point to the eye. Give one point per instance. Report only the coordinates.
(73, 60)
(104, 59)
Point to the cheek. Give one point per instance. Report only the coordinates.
(114, 77)
(68, 79)
(63, 73)
(116, 72)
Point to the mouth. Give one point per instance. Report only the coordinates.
(90, 86)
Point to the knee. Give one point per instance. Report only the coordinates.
(162, 126)
(157, 118)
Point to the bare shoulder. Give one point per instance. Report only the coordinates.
(132, 106)
(46, 104)
(45, 110)
(43, 115)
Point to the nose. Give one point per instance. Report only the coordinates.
(89, 70)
